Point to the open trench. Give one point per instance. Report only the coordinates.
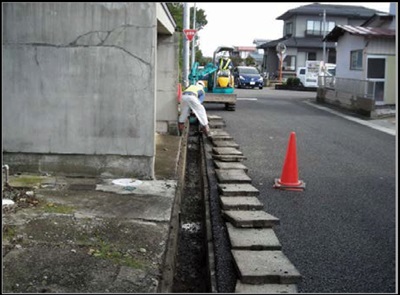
(191, 274)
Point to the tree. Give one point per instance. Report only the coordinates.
(176, 11)
(250, 61)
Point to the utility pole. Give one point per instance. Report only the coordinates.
(186, 18)
(194, 38)
(324, 33)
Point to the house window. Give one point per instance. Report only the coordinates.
(311, 56)
(289, 29)
(289, 63)
(316, 27)
(356, 60)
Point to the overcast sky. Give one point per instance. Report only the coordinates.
(238, 24)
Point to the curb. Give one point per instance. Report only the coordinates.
(168, 268)
(259, 263)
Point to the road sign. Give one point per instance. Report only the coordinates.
(190, 33)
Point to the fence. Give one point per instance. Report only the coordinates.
(354, 87)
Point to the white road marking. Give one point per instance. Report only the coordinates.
(246, 98)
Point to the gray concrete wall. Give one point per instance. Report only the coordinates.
(79, 79)
(167, 83)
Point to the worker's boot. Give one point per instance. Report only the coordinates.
(181, 127)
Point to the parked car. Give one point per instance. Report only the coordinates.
(247, 77)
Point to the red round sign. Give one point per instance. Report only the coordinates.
(190, 33)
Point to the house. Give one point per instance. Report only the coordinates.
(366, 64)
(86, 86)
(248, 51)
(303, 30)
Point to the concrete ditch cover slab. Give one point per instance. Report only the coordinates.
(230, 165)
(228, 158)
(224, 151)
(265, 288)
(253, 238)
(225, 143)
(244, 189)
(263, 267)
(241, 203)
(249, 218)
(232, 176)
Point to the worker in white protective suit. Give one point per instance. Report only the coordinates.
(193, 98)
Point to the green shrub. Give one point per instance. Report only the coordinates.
(296, 81)
(289, 81)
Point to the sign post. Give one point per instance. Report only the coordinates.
(189, 33)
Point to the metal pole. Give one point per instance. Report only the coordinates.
(324, 43)
(186, 18)
(194, 38)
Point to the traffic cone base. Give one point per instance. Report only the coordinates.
(301, 186)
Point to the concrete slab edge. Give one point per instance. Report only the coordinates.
(168, 269)
(262, 288)
(210, 246)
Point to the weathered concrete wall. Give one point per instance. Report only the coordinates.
(79, 79)
(167, 82)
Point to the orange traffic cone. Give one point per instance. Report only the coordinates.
(179, 93)
(289, 179)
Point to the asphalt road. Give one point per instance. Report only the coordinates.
(340, 232)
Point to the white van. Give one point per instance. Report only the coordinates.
(308, 75)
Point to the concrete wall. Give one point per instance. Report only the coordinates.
(167, 83)
(79, 79)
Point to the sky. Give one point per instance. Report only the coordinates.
(238, 24)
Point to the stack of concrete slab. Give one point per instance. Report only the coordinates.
(262, 267)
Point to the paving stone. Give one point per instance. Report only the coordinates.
(219, 132)
(230, 165)
(232, 176)
(250, 218)
(216, 124)
(253, 238)
(265, 288)
(217, 137)
(263, 267)
(226, 151)
(243, 189)
(241, 203)
(214, 117)
(225, 143)
(228, 158)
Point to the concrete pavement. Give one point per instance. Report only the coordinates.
(89, 235)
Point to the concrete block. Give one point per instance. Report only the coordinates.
(232, 176)
(223, 151)
(265, 288)
(230, 165)
(263, 267)
(241, 203)
(253, 238)
(249, 218)
(216, 124)
(228, 158)
(225, 143)
(219, 132)
(243, 189)
(214, 117)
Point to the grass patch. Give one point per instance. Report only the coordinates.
(57, 208)
(9, 232)
(26, 180)
(105, 251)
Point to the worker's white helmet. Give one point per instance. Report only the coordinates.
(200, 83)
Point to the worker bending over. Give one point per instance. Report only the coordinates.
(192, 98)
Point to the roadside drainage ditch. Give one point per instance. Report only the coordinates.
(191, 271)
